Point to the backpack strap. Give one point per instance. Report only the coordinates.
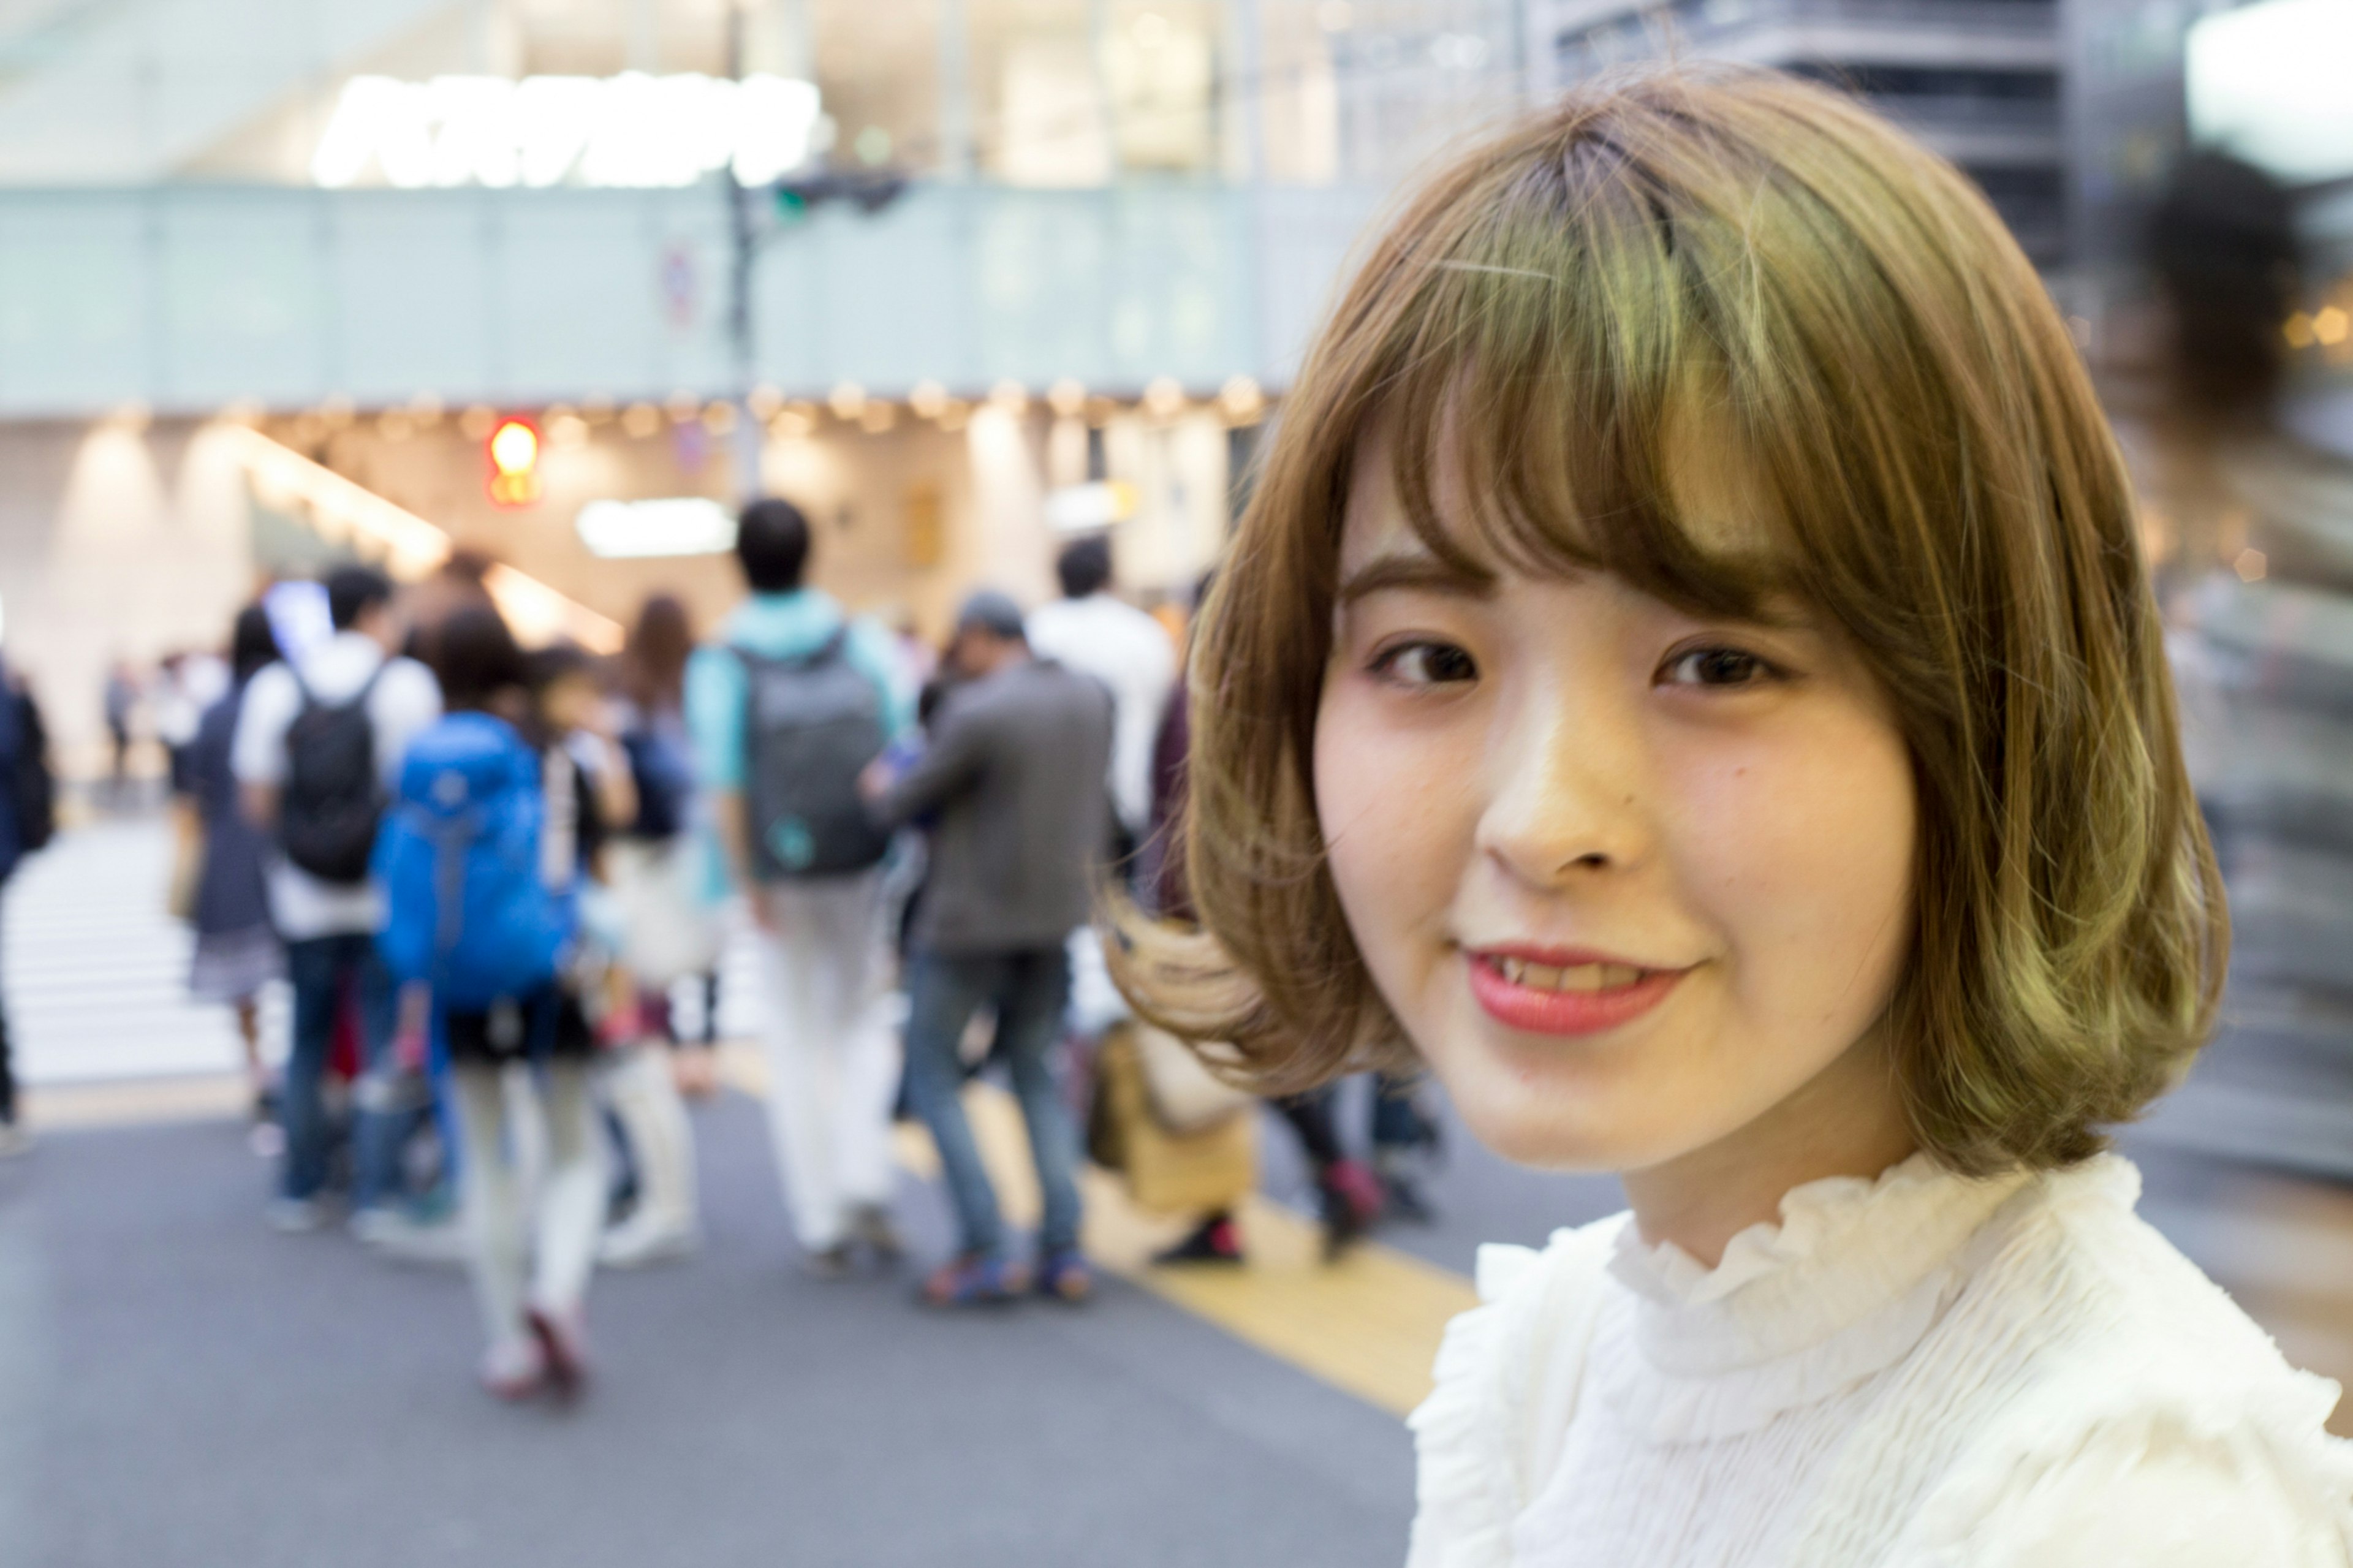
(832, 647)
(358, 698)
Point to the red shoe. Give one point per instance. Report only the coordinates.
(1216, 1239)
(563, 1343)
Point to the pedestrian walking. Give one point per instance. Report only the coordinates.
(1014, 777)
(481, 858)
(119, 703)
(237, 950)
(658, 868)
(785, 707)
(316, 750)
(1696, 687)
(28, 819)
(1092, 631)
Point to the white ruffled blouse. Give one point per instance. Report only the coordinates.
(1922, 1371)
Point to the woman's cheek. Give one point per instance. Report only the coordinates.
(1370, 797)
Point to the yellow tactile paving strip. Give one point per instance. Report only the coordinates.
(1367, 1325)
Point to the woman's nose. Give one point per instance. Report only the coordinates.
(1565, 791)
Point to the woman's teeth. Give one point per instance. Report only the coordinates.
(1575, 977)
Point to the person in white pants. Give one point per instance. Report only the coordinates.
(832, 1057)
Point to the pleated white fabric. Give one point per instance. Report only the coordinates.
(1921, 1371)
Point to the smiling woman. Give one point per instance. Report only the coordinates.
(1686, 677)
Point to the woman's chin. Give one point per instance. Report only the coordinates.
(1533, 1125)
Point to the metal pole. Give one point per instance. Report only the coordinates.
(743, 246)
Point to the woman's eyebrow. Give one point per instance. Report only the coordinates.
(1416, 573)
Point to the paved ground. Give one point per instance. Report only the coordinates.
(179, 1387)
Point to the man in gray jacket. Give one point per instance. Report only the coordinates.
(1014, 777)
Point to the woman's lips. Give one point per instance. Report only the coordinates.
(1565, 998)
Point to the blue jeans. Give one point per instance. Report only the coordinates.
(1029, 990)
(319, 968)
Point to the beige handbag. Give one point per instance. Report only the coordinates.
(1214, 1167)
(1185, 1097)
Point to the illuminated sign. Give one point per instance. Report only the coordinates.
(633, 129)
(1081, 509)
(515, 463)
(686, 525)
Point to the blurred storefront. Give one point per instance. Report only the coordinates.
(362, 229)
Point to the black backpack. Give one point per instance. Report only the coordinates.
(810, 726)
(328, 812)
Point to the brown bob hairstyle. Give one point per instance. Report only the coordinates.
(1940, 488)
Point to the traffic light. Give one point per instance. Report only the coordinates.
(869, 191)
(513, 450)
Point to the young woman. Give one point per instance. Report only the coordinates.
(658, 867)
(236, 952)
(480, 857)
(1686, 676)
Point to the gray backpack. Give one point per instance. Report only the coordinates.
(811, 724)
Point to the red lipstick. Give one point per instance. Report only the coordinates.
(1521, 988)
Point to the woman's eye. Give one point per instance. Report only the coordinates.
(1715, 666)
(1426, 664)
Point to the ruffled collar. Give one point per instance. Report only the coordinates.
(1845, 1286)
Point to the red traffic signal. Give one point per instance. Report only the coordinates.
(513, 449)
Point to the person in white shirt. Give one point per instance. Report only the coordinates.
(296, 790)
(1096, 633)
(1688, 677)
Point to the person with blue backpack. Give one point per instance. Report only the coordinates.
(483, 933)
(785, 708)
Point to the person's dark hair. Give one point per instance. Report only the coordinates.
(654, 663)
(1084, 567)
(771, 543)
(352, 591)
(252, 644)
(543, 667)
(476, 658)
(2223, 246)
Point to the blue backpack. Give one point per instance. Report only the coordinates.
(458, 858)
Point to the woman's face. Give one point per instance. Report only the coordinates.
(1631, 879)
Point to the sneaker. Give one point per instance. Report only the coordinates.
(827, 1262)
(641, 1241)
(1063, 1276)
(14, 1141)
(970, 1281)
(296, 1216)
(515, 1370)
(871, 1226)
(562, 1338)
(1216, 1239)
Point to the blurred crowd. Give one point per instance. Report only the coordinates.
(498, 882)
